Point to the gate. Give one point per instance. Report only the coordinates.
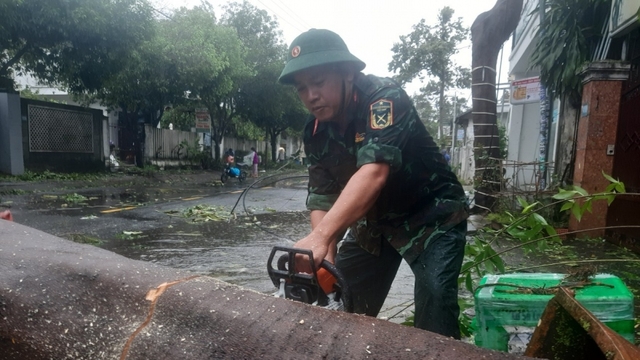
(625, 209)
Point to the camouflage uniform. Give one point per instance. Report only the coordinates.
(422, 198)
(421, 201)
(420, 213)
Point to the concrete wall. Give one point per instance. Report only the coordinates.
(525, 38)
(567, 128)
(524, 142)
(11, 156)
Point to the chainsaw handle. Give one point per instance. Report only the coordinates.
(284, 271)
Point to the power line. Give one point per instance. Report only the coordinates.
(281, 17)
(292, 13)
(161, 13)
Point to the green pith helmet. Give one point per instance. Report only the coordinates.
(316, 47)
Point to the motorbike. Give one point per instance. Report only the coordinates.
(233, 172)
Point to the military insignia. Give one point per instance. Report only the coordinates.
(381, 114)
(295, 51)
(359, 137)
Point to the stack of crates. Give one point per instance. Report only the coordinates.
(506, 318)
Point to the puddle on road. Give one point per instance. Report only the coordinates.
(237, 251)
(234, 251)
(82, 203)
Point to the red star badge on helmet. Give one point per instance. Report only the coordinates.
(295, 51)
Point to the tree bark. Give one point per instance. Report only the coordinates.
(489, 31)
(274, 145)
(63, 300)
(441, 101)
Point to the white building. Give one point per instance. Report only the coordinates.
(532, 137)
(530, 143)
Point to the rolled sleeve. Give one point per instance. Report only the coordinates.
(373, 153)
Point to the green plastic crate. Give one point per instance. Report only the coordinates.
(505, 320)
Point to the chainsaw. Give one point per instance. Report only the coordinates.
(325, 287)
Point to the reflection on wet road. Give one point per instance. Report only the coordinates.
(235, 250)
(148, 223)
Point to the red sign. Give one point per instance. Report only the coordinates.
(203, 119)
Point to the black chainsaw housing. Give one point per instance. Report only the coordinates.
(305, 287)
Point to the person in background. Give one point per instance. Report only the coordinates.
(375, 170)
(229, 156)
(255, 162)
(447, 156)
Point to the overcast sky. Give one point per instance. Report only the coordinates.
(369, 27)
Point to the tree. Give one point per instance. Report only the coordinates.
(211, 62)
(427, 52)
(260, 99)
(258, 32)
(147, 82)
(567, 38)
(181, 117)
(427, 113)
(76, 44)
(271, 106)
(489, 31)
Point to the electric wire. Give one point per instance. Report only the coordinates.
(243, 197)
(280, 17)
(292, 13)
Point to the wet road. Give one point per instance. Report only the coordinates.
(150, 224)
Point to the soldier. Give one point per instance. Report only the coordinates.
(375, 169)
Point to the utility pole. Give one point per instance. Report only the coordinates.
(453, 125)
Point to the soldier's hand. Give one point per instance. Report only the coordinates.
(318, 247)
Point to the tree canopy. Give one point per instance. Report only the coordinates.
(271, 106)
(115, 52)
(259, 33)
(426, 53)
(73, 43)
(567, 39)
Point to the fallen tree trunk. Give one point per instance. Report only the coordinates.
(62, 300)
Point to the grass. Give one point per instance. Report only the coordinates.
(85, 239)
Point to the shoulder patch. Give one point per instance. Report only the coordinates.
(381, 114)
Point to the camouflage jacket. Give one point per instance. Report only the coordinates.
(422, 197)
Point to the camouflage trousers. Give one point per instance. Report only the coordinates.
(436, 273)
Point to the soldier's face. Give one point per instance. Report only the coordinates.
(321, 90)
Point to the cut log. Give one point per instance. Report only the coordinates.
(62, 300)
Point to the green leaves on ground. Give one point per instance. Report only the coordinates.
(205, 213)
(577, 200)
(74, 198)
(532, 230)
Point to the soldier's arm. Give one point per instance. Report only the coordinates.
(354, 202)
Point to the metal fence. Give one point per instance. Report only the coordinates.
(59, 130)
(166, 144)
